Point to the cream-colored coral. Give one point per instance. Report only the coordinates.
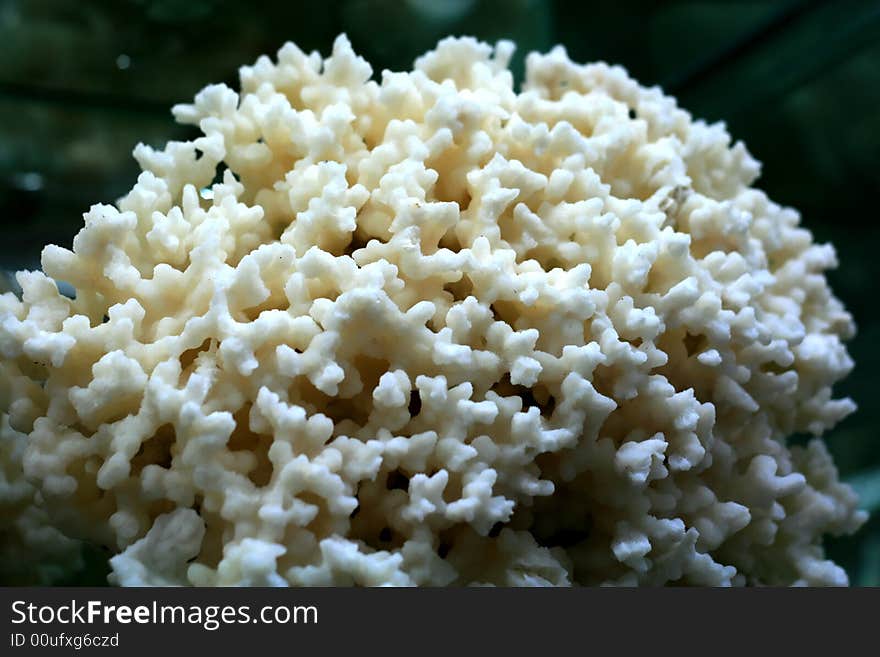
(432, 331)
(32, 551)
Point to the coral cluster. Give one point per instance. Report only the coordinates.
(432, 331)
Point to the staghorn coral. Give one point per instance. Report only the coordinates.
(432, 331)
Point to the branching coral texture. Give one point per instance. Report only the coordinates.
(432, 331)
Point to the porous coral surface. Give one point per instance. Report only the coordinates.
(432, 331)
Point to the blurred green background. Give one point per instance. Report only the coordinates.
(81, 82)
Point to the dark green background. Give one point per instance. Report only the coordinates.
(798, 81)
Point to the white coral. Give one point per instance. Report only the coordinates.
(432, 331)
